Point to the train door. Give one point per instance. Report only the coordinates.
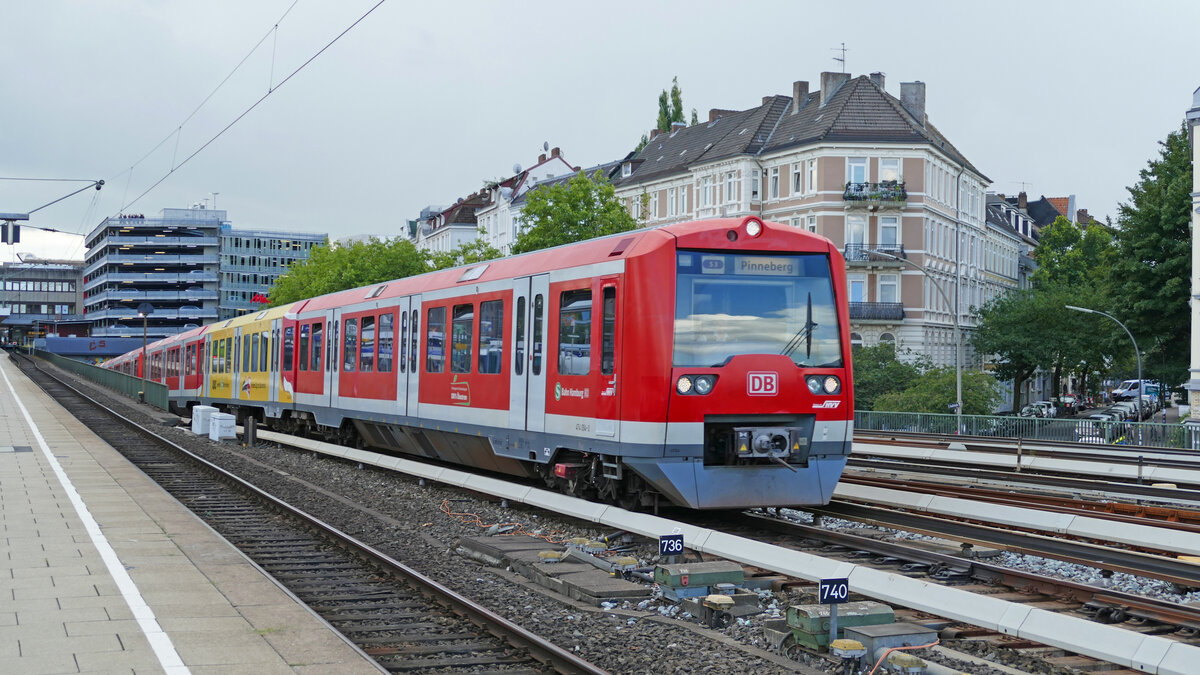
(333, 357)
(608, 423)
(404, 329)
(273, 365)
(527, 396)
(236, 365)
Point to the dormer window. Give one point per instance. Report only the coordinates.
(626, 169)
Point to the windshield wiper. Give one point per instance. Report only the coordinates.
(805, 334)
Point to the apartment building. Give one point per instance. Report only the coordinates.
(853, 163)
(40, 297)
(493, 214)
(170, 262)
(251, 261)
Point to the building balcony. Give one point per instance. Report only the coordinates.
(876, 311)
(860, 254)
(875, 196)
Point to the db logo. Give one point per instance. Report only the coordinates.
(762, 384)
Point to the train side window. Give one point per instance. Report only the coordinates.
(255, 341)
(305, 345)
(461, 338)
(366, 348)
(200, 362)
(385, 343)
(491, 336)
(519, 355)
(412, 358)
(538, 307)
(575, 332)
(246, 353)
(190, 366)
(289, 348)
(230, 355)
(318, 332)
(435, 331)
(403, 352)
(608, 332)
(349, 345)
(266, 354)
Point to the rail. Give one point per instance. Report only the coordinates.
(1073, 430)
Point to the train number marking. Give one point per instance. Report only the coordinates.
(833, 591)
(670, 544)
(762, 384)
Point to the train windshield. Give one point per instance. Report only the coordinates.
(728, 304)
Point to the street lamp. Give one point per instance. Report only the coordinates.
(144, 310)
(1136, 353)
(957, 334)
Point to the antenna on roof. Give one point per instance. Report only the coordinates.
(842, 59)
(1023, 184)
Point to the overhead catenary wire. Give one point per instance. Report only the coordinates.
(254, 105)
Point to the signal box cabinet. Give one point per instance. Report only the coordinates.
(810, 623)
(691, 575)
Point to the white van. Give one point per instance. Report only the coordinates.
(1130, 389)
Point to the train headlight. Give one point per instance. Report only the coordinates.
(753, 228)
(832, 385)
(704, 384)
(684, 384)
(814, 384)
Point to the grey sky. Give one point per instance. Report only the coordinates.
(422, 102)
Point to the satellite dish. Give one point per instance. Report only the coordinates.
(516, 168)
(545, 145)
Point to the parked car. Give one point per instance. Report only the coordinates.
(1030, 411)
(1070, 403)
(1099, 428)
(1126, 410)
(1133, 388)
(1048, 408)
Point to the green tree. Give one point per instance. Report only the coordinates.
(336, 268)
(1009, 329)
(877, 371)
(1152, 273)
(935, 390)
(670, 109)
(581, 208)
(467, 253)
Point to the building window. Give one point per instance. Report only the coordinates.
(888, 288)
(856, 169)
(888, 231)
(730, 188)
(811, 184)
(855, 340)
(889, 169)
(858, 287)
(774, 185)
(887, 338)
(812, 223)
(797, 179)
(754, 185)
(683, 201)
(671, 202)
(653, 205)
(706, 196)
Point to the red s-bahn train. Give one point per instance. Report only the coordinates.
(705, 363)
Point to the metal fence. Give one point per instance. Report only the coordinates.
(156, 393)
(1156, 434)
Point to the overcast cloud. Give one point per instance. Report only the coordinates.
(423, 102)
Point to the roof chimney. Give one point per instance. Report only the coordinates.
(1022, 201)
(767, 99)
(799, 95)
(1083, 217)
(541, 158)
(830, 83)
(654, 133)
(554, 152)
(676, 126)
(877, 78)
(912, 97)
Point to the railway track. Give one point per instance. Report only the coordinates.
(406, 621)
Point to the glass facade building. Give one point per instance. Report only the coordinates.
(251, 261)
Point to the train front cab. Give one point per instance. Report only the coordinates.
(758, 403)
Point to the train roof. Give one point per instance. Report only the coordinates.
(254, 317)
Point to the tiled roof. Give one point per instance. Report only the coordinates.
(859, 111)
(609, 169)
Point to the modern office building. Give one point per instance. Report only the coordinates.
(251, 261)
(41, 297)
(170, 262)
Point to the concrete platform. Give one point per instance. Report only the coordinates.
(102, 571)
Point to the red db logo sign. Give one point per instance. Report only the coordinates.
(762, 384)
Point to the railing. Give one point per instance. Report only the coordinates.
(877, 311)
(886, 191)
(862, 252)
(1074, 430)
(156, 393)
